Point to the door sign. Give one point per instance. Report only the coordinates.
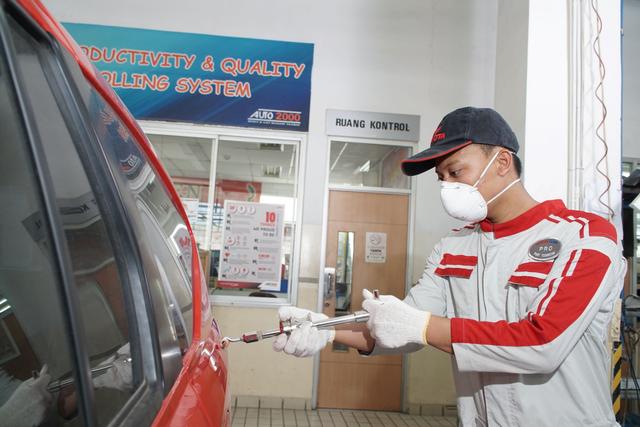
(376, 248)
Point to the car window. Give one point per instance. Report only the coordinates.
(34, 344)
(98, 284)
(164, 232)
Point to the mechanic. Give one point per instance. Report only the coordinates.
(522, 297)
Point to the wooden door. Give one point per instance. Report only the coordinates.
(346, 379)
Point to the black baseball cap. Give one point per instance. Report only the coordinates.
(458, 129)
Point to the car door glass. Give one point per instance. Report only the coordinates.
(166, 234)
(97, 281)
(34, 342)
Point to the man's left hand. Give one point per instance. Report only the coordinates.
(394, 323)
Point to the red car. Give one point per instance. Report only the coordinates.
(104, 313)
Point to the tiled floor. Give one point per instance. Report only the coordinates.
(332, 417)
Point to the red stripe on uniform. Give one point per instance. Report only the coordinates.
(569, 302)
(555, 221)
(584, 222)
(526, 281)
(568, 264)
(598, 226)
(450, 259)
(602, 228)
(456, 272)
(546, 297)
(535, 267)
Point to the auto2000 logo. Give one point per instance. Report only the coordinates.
(275, 117)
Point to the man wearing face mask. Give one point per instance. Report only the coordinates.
(522, 296)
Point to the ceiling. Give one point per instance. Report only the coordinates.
(361, 164)
(237, 160)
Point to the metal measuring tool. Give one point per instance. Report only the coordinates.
(286, 327)
(57, 385)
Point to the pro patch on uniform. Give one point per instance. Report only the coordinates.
(545, 250)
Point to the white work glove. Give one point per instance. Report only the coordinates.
(394, 323)
(306, 340)
(119, 375)
(28, 405)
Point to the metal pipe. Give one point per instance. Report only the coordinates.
(288, 327)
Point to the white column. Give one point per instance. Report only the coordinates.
(562, 144)
(546, 118)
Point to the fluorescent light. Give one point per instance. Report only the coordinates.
(2, 310)
(365, 167)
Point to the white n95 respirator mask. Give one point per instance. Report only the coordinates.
(464, 201)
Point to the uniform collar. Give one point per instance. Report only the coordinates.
(524, 221)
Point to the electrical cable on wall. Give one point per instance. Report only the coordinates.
(601, 129)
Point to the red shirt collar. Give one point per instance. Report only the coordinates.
(524, 221)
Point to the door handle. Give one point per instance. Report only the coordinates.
(329, 283)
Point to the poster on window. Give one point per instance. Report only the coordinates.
(251, 255)
(191, 208)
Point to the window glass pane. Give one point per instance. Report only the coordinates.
(166, 236)
(33, 335)
(188, 162)
(98, 284)
(368, 165)
(264, 173)
(257, 172)
(161, 235)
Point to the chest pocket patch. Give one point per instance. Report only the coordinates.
(531, 274)
(456, 266)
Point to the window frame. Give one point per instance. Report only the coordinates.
(220, 133)
(61, 263)
(149, 391)
(155, 312)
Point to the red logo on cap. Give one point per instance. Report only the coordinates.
(438, 136)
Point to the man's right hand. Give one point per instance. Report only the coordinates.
(306, 340)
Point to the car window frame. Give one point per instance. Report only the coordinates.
(60, 257)
(147, 398)
(170, 370)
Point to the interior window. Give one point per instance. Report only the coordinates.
(98, 284)
(244, 254)
(368, 165)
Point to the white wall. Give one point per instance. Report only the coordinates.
(511, 64)
(546, 126)
(423, 57)
(631, 79)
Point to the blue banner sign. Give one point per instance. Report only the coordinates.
(197, 78)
